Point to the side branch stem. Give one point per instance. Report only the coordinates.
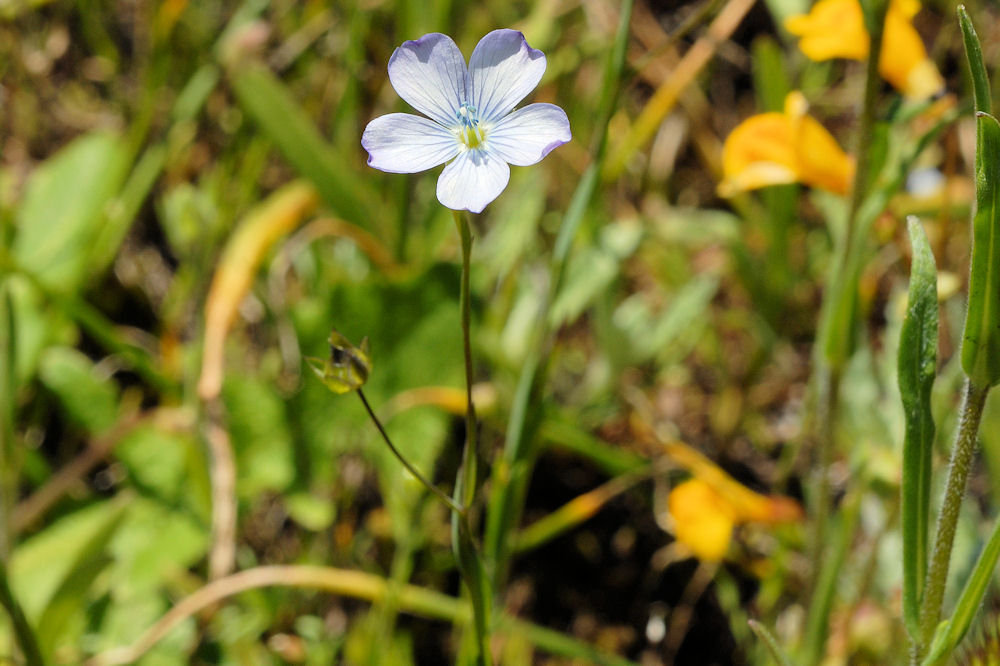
(441, 495)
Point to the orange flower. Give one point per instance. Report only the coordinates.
(702, 519)
(836, 29)
(704, 510)
(781, 148)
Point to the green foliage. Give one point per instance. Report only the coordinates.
(917, 367)
(64, 209)
(981, 341)
(612, 319)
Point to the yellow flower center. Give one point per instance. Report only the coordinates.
(470, 133)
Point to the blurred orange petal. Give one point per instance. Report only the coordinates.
(702, 519)
(780, 148)
(835, 29)
(904, 62)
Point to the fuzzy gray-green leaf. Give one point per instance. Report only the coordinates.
(917, 362)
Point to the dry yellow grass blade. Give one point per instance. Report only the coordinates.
(665, 97)
(262, 227)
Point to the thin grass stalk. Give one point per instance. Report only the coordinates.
(8, 388)
(838, 317)
(512, 471)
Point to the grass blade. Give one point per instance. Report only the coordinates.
(265, 99)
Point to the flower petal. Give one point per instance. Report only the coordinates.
(472, 181)
(529, 134)
(904, 62)
(404, 143)
(832, 29)
(430, 74)
(504, 69)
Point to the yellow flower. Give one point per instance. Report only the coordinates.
(702, 519)
(781, 148)
(704, 510)
(836, 29)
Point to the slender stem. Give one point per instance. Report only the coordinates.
(827, 402)
(441, 495)
(469, 458)
(467, 553)
(958, 473)
(22, 630)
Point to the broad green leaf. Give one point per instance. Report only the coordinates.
(260, 434)
(158, 462)
(981, 340)
(311, 512)
(89, 400)
(917, 362)
(64, 206)
(36, 325)
(52, 571)
(154, 543)
(266, 100)
(953, 630)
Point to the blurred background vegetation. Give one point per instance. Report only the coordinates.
(185, 211)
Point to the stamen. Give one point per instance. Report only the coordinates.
(469, 132)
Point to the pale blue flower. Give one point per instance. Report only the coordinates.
(470, 116)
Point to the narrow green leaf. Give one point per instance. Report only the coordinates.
(981, 340)
(770, 76)
(954, 629)
(917, 362)
(51, 573)
(270, 104)
(123, 212)
(974, 54)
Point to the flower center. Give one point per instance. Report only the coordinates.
(469, 131)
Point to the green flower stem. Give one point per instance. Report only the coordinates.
(469, 455)
(958, 473)
(22, 630)
(470, 561)
(441, 495)
(838, 308)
